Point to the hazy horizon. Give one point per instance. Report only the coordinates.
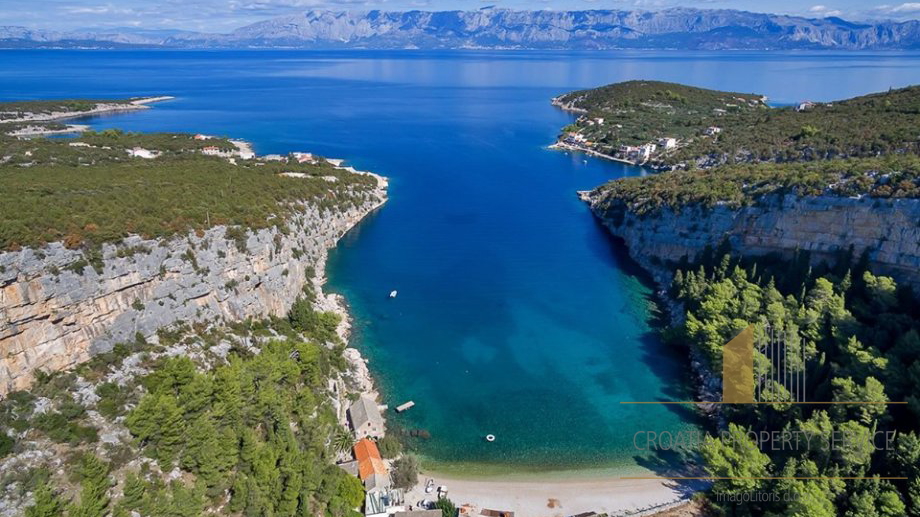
(216, 16)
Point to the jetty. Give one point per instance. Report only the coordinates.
(402, 407)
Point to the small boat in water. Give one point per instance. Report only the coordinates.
(393, 294)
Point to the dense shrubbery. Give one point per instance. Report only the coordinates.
(737, 185)
(87, 195)
(860, 335)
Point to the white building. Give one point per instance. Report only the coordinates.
(667, 142)
(303, 157)
(646, 150)
(365, 418)
(211, 150)
(140, 152)
(712, 130)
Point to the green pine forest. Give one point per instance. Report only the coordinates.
(250, 431)
(860, 336)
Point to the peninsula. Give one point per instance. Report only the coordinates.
(801, 224)
(668, 126)
(32, 118)
(165, 344)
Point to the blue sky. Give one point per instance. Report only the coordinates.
(224, 15)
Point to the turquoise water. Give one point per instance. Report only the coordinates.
(516, 314)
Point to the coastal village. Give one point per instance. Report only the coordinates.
(585, 134)
(652, 123)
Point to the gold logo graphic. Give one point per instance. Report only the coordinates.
(738, 368)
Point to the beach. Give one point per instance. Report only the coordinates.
(551, 497)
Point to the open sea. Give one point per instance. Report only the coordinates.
(517, 315)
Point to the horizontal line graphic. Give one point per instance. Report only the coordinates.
(755, 402)
(704, 478)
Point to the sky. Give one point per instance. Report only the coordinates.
(225, 15)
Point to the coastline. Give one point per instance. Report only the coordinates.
(100, 109)
(358, 379)
(562, 146)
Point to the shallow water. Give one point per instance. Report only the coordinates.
(516, 314)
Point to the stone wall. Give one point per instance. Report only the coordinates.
(824, 225)
(54, 315)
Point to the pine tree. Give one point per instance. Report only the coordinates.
(47, 503)
(94, 497)
(171, 430)
(133, 492)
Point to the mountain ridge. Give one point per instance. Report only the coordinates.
(684, 28)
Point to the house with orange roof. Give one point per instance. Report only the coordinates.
(372, 470)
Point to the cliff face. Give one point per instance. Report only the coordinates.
(823, 225)
(54, 313)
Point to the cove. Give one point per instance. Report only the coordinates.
(516, 315)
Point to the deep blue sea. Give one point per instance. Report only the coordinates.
(516, 314)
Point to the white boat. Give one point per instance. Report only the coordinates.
(393, 294)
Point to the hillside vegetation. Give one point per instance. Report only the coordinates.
(739, 185)
(638, 112)
(14, 109)
(219, 421)
(95, 192)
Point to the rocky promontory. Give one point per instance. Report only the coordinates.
(825, 225)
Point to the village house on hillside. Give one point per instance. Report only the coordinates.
(303, 157)
(667, 142)
(140, 152)
(365, 418)
(372, 470)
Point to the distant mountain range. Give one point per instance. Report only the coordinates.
(680, 28)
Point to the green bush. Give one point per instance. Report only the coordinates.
(405, 472)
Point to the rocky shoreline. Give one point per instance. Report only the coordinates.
(360, 379)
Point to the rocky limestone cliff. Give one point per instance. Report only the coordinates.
(823, 225)
(56, 313)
